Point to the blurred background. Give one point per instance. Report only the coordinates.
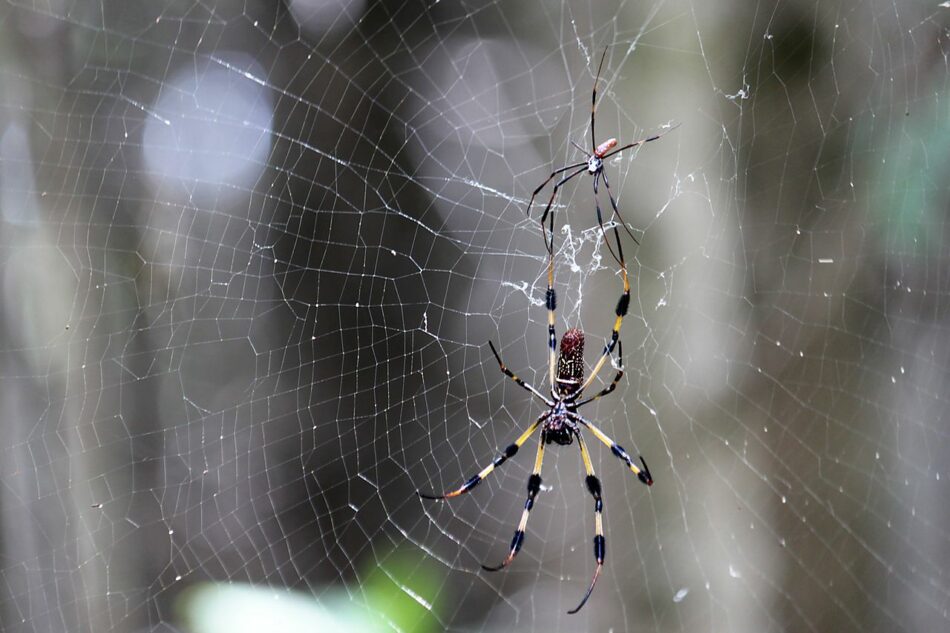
(251, 254)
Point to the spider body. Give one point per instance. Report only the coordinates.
(593, 164)
(561, 424)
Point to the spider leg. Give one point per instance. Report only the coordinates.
(547, 209)
(613, 203)
(521, 383)
(593, 486)
(549, 179)
(551, 302)
(642, 474)
(623, 304)
(534, 486)
(642, 141)
(603, 230)
(613, 384)
(549, 245)
(558, 185)
(500, 459)
(593, 100)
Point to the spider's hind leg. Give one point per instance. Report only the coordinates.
(593, 486)
(534, 486)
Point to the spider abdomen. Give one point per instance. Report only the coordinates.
(570, 362)
(605, 147)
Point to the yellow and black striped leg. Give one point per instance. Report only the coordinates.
(551, 302)
(521, 383)
(613, 384)
(623, 304)
(643, 474)
(500, 459)
(593, 486)
(534, 486)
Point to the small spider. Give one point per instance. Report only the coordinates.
(593, 165)
(561, 424)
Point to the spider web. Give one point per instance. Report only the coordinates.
(252, 254)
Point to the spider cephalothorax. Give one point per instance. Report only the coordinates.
(595, 164)
(561, 424)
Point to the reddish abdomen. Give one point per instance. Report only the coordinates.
(605, 147)
(570, 362)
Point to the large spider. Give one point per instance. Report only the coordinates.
(561, 423)
(594, 165)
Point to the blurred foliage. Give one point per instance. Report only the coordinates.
(397, 590)
(911, 197)
(393, 597)
(241, 608)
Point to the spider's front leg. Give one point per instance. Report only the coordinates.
(521, 383)
(613, 383)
